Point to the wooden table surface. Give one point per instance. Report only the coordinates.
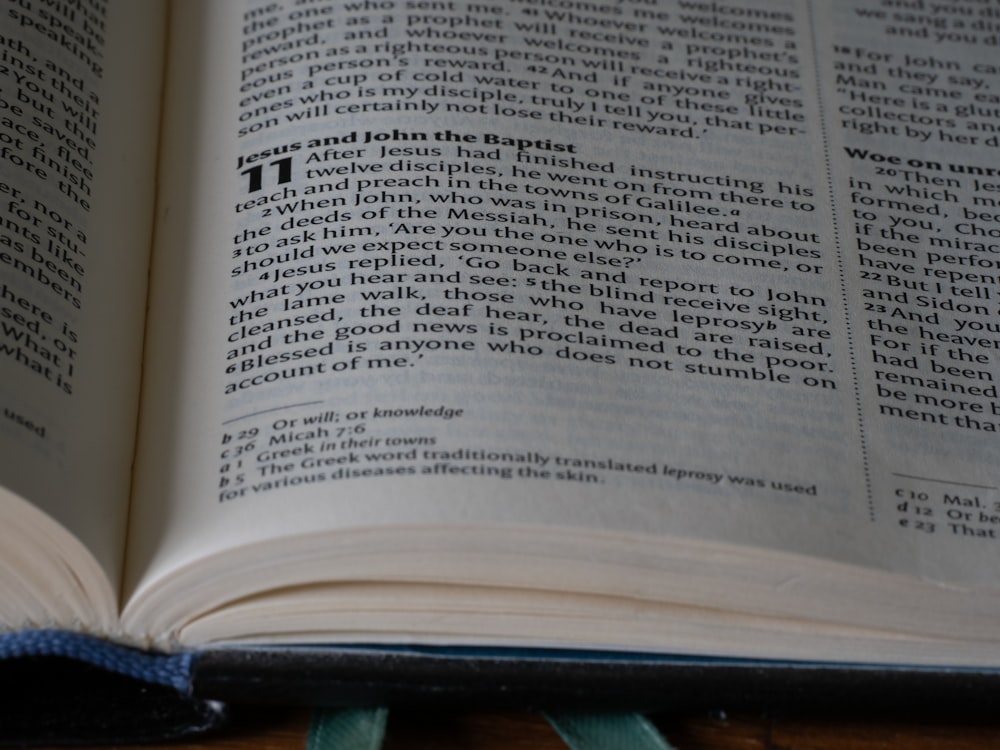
(280, 729)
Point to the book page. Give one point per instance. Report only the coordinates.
(79, 103)
(910, 106)
(645, 269)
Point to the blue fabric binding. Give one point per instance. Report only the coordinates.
(172, 670)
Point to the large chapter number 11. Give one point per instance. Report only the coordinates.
(256, 174)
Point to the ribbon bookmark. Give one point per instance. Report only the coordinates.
(347, 729)
(627, 731)
(364, 729)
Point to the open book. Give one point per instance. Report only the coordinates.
(643, 326)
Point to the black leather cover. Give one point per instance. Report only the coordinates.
(55, 700)
(584, 681)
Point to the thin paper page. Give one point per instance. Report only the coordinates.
(80, 87)
(502, 265)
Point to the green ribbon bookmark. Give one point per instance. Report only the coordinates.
(364, 729)
(625, 731)
(347, 729)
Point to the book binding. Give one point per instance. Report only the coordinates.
(59, 687)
